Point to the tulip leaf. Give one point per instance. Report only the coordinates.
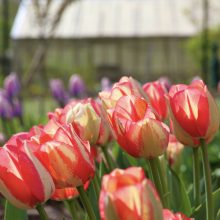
(12, 213)
(200, 211)
(93, 199)
(179, 197)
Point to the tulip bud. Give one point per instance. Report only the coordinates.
(136, 128)
(76, 86)
(127, 193)
(88, 120)
(85, 121)
(23, 179)
(193, 112)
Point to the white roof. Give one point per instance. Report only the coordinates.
(115, 18)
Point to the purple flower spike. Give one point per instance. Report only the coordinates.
(2, 138)
(58, 91)
(77, 86)
(106, 84)
(6, 110)
(17, 108)
(165, 82)
(12, 85)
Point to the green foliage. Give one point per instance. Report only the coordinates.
(193, 45)
(12, 213)
(179, 198)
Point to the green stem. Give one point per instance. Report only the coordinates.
(86, 203)
(150, 174)
(196, 176)
(208, 182)
(156, 178)
(96, 185)
(42, 213)
(108, 158)
(163, 179)
(70, 204)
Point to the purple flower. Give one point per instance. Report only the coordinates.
(12, 85)
(2, 138)
(106, 84)
(76, 86)
(195, 78)
(58, 91)
(17, 108)
(165, 82)
(6, 110)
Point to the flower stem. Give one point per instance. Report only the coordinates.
(156, 178)
(42, 213)
(70, 204)
(196, 176)
(86, 203)
(108, 158)
(96, 185)
(208, 182)
(163, 179)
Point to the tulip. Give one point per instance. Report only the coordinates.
(87, 119)
(156, 96)
(168, 215)
(126, 86)
(194, 113)
(23, 179)
(174, 150)
(136, 128)
(127, 194)
(65, 156)
(12, 85)
(76, 86)
(65, 193)
(58, 91)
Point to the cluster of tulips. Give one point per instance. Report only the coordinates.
(63, 158)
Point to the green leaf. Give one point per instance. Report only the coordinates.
(200, 211)
(179, 197)
(12, 213)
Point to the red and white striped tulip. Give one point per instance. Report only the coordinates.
(168, 215)
(125, 86)
(193, 112)
(156, 95)
(65, 193)
(65, 156)
(23, 179)
(136, 128)
(127, 194)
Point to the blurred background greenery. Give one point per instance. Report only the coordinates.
(54, 39)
